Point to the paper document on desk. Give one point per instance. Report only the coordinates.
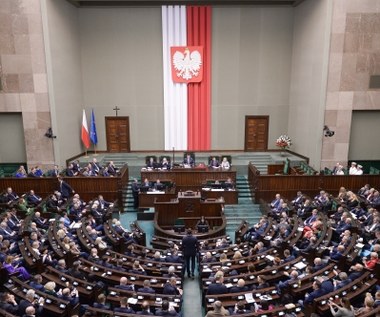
(300, 265)
(156, 192)
(249, 298)
(75, 225)
(132, 300)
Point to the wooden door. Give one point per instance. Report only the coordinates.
(117, 134)
(256, 133)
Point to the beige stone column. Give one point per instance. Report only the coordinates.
(23, 75)
(354, 56)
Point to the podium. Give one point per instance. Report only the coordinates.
(188, 207)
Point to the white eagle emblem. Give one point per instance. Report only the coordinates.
(187, 65)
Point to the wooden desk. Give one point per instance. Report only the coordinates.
(189, 178)
(267, 186)
(87, 187)
(189, 207)
(230, 196)
(146, 200)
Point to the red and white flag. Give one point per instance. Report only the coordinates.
(84, 134)
(186, 39)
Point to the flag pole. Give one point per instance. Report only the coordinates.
(95, 154)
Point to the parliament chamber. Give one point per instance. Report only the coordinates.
(271, 268)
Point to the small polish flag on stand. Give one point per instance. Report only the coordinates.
(85, 135)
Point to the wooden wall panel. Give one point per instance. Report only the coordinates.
(266, 186)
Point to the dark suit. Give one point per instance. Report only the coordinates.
(217, 288)
(40, 222)
(237, 289)
(24, 303)
(214, 163)
(9, 308)
(100, 306)
(111, 170)
(144, 312)
(11, 197)
(147, 290)
(54, 173)
(188, 161)
(33, 199)
(135, 193)
(125, 287)
(342, 284)
(189, 248)
(95, 167)
(36, 286)
(126, 310)
(354, 275)
(275, 204)
(335, 255)
(318, 267)
(70, 172)
(166, 313)
(289, 258)
(8, 234)
(12, 225)
(327, 286)
(309, 221)
(169, 289)
(65, 189)
(173, 259)
(315, 294)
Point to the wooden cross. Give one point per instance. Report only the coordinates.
(116, 109)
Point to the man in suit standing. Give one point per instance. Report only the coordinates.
(135, 193)
(64, 188)
(190, 249)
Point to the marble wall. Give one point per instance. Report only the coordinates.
(23, 75)
(354, 57)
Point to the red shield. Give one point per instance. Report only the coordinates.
(186, 64)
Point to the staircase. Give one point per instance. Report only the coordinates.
(245, 210)
(128, 197)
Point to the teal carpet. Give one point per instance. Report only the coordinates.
(245, 210)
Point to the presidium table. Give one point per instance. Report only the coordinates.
(197, 179)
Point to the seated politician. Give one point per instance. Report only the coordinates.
(228, 184)
(159, 186)
(151, 163)
(145, 185)
(214, 163)
(21, 172)
(165, 163)
(188, 161)
(202, 225)
(225, 164)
